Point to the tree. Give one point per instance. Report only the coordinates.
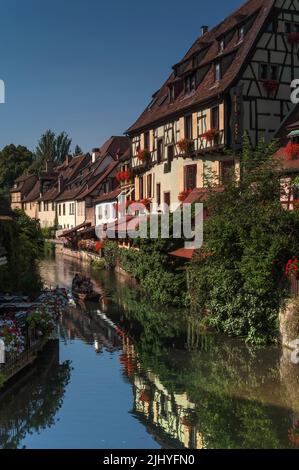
(237, 282)
(78, 151)
(62, 147)
(51, 148)
(14, 161)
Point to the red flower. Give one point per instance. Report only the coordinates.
(292, 266)
(210, 134)
(143, 155)
(292, 151)
(186, 145)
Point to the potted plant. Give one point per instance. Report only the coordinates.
(291, 267)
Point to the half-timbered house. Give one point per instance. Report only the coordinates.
(235, 78)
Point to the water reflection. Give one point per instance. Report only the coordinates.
(189, 390)
(30, 404)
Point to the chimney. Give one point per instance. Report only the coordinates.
(204, 30)
(49, 166)
(95, 153)
(60, 182)
(68, 159)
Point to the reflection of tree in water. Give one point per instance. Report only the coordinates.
(31, 406)
(235, 394)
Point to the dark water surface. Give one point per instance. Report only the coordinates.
(126, 374)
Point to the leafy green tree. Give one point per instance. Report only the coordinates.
(236, 282)
(62, 146)
(14, 161)
(51, 148)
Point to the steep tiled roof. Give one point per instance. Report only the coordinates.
(208, 48)
(290, 122)
(98, 181)
(114, 145)
(108, 196)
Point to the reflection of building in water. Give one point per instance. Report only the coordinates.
(91, 329)
(168, 415)
(31, 402)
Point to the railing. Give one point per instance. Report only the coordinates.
(17, 363)
(294, 287)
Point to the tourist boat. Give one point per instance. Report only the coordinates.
(89, 297)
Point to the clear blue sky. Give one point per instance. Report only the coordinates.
(89, 67)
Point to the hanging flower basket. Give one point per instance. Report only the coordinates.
(292, 266)
(186, 145)
(292, 151)
(143, 155)
(184, 194)
(271, 85)
(210, 135)
(296, 204)
(293, 38)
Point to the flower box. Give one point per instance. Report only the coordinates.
(293, 38)
(271, 85)
(123, 175)
(210, 135)
(143, 155)
(186, 145)
(12, 336)
(292, 151)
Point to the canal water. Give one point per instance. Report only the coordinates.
(127, 374)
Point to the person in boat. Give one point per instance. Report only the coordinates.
(77, 282)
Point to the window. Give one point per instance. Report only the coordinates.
(107, 211)
(146, 140)
(188, 127)
(217, 71)
(226, 171)
(170, 153)
(221, 45)
(72, 208)
(190, 176)
(269, 72)
(100, 213)
(215, 118)
(190, 83)
(63, 209)
(271, 26)
(149, 186)
(59, 209)
(53, 206)
(167, 198)
(160, 150)
(288, 28)
(141, 187)
(241, 33)
(158, 193)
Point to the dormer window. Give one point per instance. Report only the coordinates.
(241, 33)
(221, 45)
(217, 71)
(190, 83)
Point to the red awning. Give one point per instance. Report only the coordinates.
(75, 229)
(183, 253)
